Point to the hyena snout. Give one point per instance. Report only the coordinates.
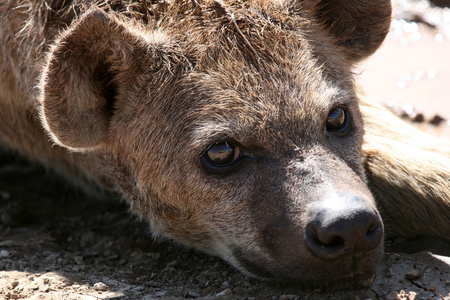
(344, 225)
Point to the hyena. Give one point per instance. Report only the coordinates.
(231, 126)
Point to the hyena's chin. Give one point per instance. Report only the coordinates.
(348, 272)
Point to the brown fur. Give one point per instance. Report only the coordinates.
(133, 93)
(408, 173)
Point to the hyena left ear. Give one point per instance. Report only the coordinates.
(89, 72)
(360, 26)
(80, 81)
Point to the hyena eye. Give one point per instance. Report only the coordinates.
(337, 120)
(222, 154)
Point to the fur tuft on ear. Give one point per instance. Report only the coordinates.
(80, 81)
(360, 26)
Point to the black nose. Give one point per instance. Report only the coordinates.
(343, 225)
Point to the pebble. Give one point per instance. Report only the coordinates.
(225, 293)
(34, 286)
(100, 286)
(14, 284)
(4, 253)
(413, 274)
(7, 243)
(436, 120)
(192, 294)
(225, 284)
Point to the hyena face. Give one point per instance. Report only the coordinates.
(233, 129)
(276, 178)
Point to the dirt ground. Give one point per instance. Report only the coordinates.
(57, 243)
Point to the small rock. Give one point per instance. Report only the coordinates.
(413, 274)
(34, 286)
(226, 293)
(100, 286)
(76, 285)
(159, 294)
(44, 288)
(192, 294)
(436, 120)
(7, 243)
(4, 253)
(419, 118)
(46, 280)
(14, 283)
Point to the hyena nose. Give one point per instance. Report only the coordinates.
(342, 226)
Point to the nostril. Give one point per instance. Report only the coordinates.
(336, 242)
(327, 246)
(374, 223)
(374, 235)
(326, 239)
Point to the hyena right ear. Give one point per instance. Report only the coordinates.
(91, 66)
(359, 26)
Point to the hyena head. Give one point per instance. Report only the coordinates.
(231, 127)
